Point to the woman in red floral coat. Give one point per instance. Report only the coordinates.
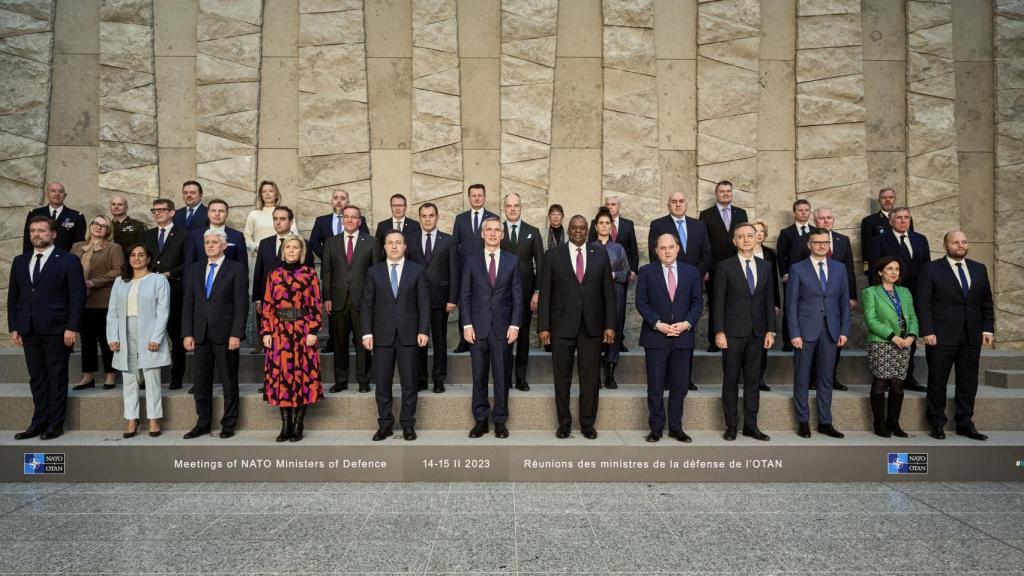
(290, 322)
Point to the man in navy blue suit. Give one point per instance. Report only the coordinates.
(668, 297)
(332, 224)
(395, 318)
(217, 211)
(818, 295)
(490, 309)
(957, 317)
(268, 255)
(398, 220)
(213, 326)
(45, 301)
(192, 216)
(70, 223)
(466, 232)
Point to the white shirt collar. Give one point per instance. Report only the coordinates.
(46, 253)
(167, 229)
(953, 262)
(218, 261)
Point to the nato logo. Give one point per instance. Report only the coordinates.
(905, 463)
(42, 463)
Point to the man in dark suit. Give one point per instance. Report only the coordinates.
(819, 322)
(45, 302)
(523, 241)
(720, 221)
(213, 326)
(398, 220)
(913, 252)
(668, 297)
(623, 233)
(791, 247)
(875, 225)
(695, 249)
(268, 254)
(957, 317)
(347, 256)
(217, 211)
(192, 216)
(395, 319)
(436, 251)
(491, 303)
(169, 245)
(466, 232)
(575, 315)
(70, 223)
(329, 225)
(744, 326)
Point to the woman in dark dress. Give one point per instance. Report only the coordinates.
(290, 322)
(620, 276)
(766, 253)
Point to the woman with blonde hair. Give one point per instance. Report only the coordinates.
(101, 262)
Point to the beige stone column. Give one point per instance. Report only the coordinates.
(175, 29)
(776, 111)
(278, 129)
(480, 37)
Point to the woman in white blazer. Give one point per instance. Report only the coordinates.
(137, 333)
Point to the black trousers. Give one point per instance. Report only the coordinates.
(177, 343)
(521, 348)
(709, 304)
(345, 329)
(489, 356)
(743, 356)
(94, 333)
(942, 359)
(210, 359)
(47, 359)
(586, 350)
(439, 342)
(384, 375)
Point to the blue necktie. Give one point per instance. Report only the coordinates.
(188, 219)
(209, 280)
(394, 280)
(964, 287)
(160, 240)
(337, 225)
(750, 278)
(821, 275)
(682, 235)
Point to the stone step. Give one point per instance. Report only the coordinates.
(1005, 378)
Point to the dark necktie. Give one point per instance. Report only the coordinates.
(964, 286)
(615, 232)
(821, 275)
(476, 223)
(428, 252)
(280, 247)
(906, 248)
(492, 271)
(53, 215)
(750, 278)
(803, 230)
(37, 268)
(160, 240)
(349, 250)
(188, 218)
(515, 238)
(579, 265)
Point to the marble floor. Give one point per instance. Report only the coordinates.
(513, 528)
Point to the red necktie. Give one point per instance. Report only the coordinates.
(348, 252)
(615, 231)
(492, 271)
(579, 265)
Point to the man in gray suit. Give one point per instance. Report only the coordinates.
(347, 256)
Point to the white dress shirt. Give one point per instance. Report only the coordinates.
(50, 209)
(42, 262)
(956, 274)
(433, 240)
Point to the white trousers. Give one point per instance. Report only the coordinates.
(154, 403)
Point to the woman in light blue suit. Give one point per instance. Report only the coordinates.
(137, 333)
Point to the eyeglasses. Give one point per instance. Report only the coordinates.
(104, 226)
(820, 242)
(158, 210)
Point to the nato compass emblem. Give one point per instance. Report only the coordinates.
(905, 463)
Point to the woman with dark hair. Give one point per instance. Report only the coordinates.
(892, 329)
(140, 303)
(290, 322)
(101, 263)
(767, 254)
(620, 277)
(554, 232)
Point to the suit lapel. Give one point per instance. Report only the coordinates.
(50, 263)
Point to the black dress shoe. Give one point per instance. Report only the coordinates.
(132, 433)
(837, 385)
(829, 430)
(89, 384)
(523, 385)
(112, 386)
(27, 434)
(438, 387)
(383, 433)
(692, 386)
(408, 433)
(589, 433)
(562, 433)
(971, 433)
(764, 387)
(174, 386)
(462, 347)
(787, 347)
(155, 433)
(196, 433)
(479, 430)
(500, 431)
(756, 434)
(328, 348)
(192, 390)
(803, 430)
(913, 385)
(713, 348)
(730, 433)
(423, 386)
(812, 386)
(680, 435)
(52, 433)
(339, 387)
(653, 436)
(623, 348)
(937, 433)
(364, 388)
(227, 433)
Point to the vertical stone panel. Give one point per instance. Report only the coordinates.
(776, 113)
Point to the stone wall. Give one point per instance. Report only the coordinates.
(560, 100)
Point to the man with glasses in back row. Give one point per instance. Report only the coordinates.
(169, 245)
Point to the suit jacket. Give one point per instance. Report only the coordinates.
(70, 228)
(323, 228)
(442, 270)
(870, 227)
(465, 241)
(104, 268)
(154, 309)
(491, 310)
(880, 314)
(626, 236)
(53, 303)
(791, 247)
(772, 257)
(811, 310)
(842, 251)
(889, 245)
(739, 313)
(721, 237)
(698, 248)
(942, 309)
(529, 252)
(338, 279)
(222, 315)
(173, 257)
(653, 304)
(266, 262)
(200, 219)
(565, 302)
(384, 226)
(387, 316)
(236, 249)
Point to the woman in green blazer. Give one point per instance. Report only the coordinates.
(892, 328)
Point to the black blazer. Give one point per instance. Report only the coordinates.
(443, 268)
(173, 257)
(70, 228)
(773, 258)
(266, 262)
(384, 226)
(626, 236)
(491, 309)
(222, 315)
(870, 227)
(942, 310)
(791, 246)
(387, 316)
(323, 228)
(739, 313)
(339, 280)
(698, 248)
(529, 253)
(842, 251)
(200, 219)
(888, 245)
(720, 236)
(53, 303)
(565, 303)
(236, 249)
(465, 241)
